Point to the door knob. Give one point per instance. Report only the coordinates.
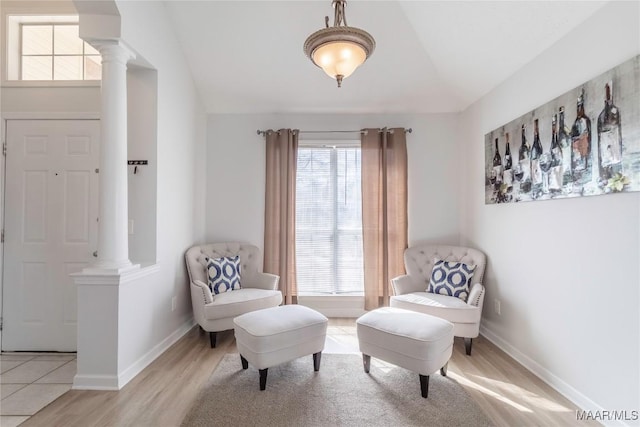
(95, 254)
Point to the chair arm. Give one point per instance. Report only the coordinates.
(266, 281)
(403, 285)
(476, 296)
(202, 287)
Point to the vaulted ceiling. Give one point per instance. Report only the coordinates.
(431, 56)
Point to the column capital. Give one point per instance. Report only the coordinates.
(114, 51)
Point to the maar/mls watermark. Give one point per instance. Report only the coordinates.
(604, 415)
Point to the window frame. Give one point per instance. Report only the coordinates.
(53, 25)
(10, 58)
(332, 145)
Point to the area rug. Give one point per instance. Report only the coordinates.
(340, 394)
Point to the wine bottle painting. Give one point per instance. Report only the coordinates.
(585, 142)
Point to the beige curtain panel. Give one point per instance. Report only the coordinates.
(280, 209)
(384, 211)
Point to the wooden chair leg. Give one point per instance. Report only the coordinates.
(443, 370)
(263, 378)
(212, 339)
(316, 361)
(366, 362)
(467, 345)
(424, 385)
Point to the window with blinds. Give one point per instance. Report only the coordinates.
(329, 221)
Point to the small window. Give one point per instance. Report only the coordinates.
(41, 49)
(56, 52)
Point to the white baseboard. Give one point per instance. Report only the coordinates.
(579, 399)
(113, 382)
(335, 306)
(340, 312)
(95, 382)
(129, 373)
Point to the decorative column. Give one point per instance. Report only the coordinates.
(99, 285)
(113, 243)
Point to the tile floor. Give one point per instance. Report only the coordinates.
(29, 382)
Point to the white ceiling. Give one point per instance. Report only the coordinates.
(431, 56)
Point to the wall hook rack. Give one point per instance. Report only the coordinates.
(136, 163)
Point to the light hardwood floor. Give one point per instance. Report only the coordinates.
(162, 394)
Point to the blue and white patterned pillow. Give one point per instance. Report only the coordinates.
(223, 273)
(451, 278)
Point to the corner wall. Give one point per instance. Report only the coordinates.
(236, 170)
(566, 271)
(149, 321)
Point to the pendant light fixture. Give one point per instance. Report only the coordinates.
(340, 49)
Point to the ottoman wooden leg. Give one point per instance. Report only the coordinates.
(212, 339)
(245, 364)
(316, 361)
(366, 361)
(443, 370)
(424, 385)
(467, 345)
(263, 378)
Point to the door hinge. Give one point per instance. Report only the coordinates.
(4, 148)
(2, 237)
(1, 323)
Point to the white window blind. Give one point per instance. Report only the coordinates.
(329, 221)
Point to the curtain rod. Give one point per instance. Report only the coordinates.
(361, 131)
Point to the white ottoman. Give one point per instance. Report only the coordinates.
(414, 341)
(276, 335)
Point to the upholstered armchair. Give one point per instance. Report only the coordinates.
(215, 312)
(410, 290)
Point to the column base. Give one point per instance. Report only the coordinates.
(110, 268)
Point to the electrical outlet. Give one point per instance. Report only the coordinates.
(174, 302)
(496, 306)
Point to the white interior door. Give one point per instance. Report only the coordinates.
(51, 211)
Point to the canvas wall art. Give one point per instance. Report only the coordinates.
(585, 142)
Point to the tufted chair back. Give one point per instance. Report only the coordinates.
(250, 259)
(411, 289)
(418, 261)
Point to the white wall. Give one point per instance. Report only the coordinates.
(147, 322)
(236, 170)
(50, 99)
(566, 271)
(142, 136)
